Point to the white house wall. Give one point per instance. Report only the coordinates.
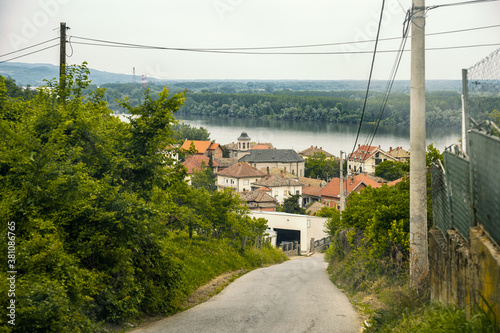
(309, 226)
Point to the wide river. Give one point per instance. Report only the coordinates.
(299, 135)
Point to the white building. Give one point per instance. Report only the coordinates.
(238, 177)
(291, 227)
(278, 187)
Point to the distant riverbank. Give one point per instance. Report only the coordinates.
(300, 135)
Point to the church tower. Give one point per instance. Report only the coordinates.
(243, 144)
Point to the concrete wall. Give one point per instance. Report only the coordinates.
(309, 226)
(461, 272)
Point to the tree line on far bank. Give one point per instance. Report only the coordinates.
(443, 108)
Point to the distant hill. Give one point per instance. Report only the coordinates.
(34, 74)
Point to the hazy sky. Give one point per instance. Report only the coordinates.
(245, 23)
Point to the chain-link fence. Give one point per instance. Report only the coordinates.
(466, 191)
(483, 89)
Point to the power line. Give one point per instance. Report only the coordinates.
(28, 47)
(27, 54)
(370, 76)
(282, 53)
(389, 86)
(459, 4)
(223, 50)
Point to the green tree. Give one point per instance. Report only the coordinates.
(332, 225)
(184, 131)
(391, 170)
(319, 166)
(204, 178)
(291, 205)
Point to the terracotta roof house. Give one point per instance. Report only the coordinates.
(366, 158)
(310, 194)
(284, 159)
(330, 194)
(206, 148)
(197, 162)
(258, 200)
(399, 153)
(283, 172)
(308, 152)
(306, 181)
(261, 146)
(238, 177)
(280, 187)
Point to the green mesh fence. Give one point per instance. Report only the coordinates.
(440, 200)
(458, 183)
(483, 89)
(485, 163)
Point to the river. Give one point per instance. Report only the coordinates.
(299, 135)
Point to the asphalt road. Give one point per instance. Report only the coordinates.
(295, 296)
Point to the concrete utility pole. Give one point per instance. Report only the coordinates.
(418, 185)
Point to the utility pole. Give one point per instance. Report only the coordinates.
(418, 184)
(62, 56)
(342, 197)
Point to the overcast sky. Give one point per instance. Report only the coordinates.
(245, 23)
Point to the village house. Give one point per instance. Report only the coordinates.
(366, 158)
(308, 152)
(238, 177)
(330, 194)
(399, 153)
(225, 163)
(206, 148)
(283, 159)
(278, 186)
(196, 163)
(259, 200)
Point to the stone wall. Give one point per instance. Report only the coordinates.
(465, 274)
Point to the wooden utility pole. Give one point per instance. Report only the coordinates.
(62, 54)
(342, 196)
(418, 182)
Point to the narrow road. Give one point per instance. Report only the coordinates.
(295, 296)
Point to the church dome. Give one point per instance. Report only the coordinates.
(244, 136)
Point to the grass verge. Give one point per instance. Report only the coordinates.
(385, 303)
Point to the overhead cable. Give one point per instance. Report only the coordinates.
(28, 47)
(370, 76)
(27, 54)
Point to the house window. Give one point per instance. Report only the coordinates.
(377, 161)
(245, 182)
(297, 192)
(275, 194)
(285, 192)
(232, 181)
(226, 181)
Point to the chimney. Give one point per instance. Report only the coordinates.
(390, 149)
(268, 170)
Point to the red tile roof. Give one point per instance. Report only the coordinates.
(195, 162)
(241, 170)
(362, 153)
(311, 190)
(261, 146)
(332, 189)
(313, 150)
